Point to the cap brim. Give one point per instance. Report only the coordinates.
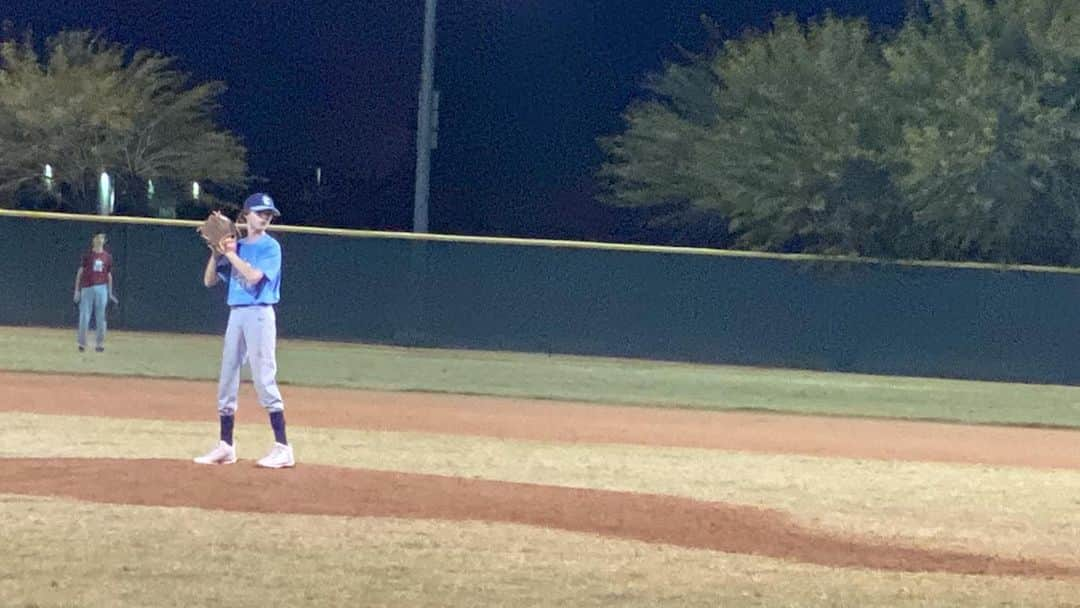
(265, 208)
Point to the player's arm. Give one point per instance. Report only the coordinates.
(210, 274)
(248, 272)
(251, 274)
(78, 279)
(112, 294)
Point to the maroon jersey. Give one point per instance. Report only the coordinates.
(95, 268)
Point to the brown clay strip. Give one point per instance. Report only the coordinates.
(323, 490)
(552, 421)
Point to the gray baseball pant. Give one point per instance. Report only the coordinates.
(252, 336)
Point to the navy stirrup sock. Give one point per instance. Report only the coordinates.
(226, 428)
(277, 422)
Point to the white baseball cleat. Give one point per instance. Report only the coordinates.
(280, 457)
(222, 454)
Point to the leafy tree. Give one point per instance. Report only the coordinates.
(956, 138)
(784, 133)
(991, 128)
(90, 106)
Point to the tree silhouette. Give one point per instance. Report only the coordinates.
(89, 105)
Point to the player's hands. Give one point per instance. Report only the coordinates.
(77, 296)
(214, 230)
(112, 298)
(227, 244)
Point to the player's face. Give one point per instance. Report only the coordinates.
(260, 219)
(98, 240)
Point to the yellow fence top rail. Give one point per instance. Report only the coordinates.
(450, 238)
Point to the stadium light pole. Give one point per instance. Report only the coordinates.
(425, 121)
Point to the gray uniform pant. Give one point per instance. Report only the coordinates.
(250, 336)
(93, 299)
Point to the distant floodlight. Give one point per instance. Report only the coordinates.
(195, 190)
(105, 194)
(318, 176)
(48, 173)
(149, 189)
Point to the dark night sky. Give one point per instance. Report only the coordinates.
(526, 85)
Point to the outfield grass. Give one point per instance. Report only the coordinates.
(591, 379)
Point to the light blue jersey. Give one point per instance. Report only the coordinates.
(265, 255)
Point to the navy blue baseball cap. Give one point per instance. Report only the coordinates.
(260, 202)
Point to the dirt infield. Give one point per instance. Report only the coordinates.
(314, 489)
(183, 400)
(322, 490)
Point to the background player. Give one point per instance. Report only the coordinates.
(94, 291)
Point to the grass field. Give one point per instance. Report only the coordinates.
(62, 552)
(588, 379)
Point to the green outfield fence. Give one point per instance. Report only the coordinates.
(841, 314)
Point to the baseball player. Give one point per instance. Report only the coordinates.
(251, 270)
(94, 290)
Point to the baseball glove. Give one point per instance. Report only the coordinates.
(215, 228)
